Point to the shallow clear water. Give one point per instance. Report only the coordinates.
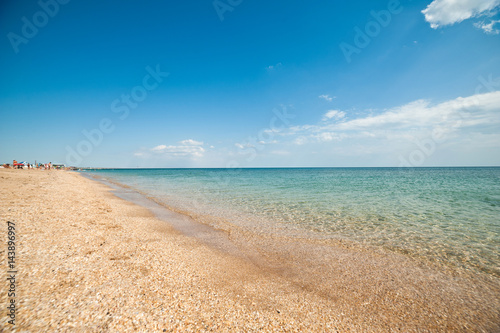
(449, 215)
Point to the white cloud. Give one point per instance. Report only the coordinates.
(159, 148)
(469, 111)
(186, 148)
(334, 114)
(191, 142)
(300, 140)
(447, 12)
(194, 151)
(327, 97)
(273, 67)
(488, 27)
(327, 136)
(450, 120)
(463, 129)
(243, 146)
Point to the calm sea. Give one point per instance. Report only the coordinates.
(447, 215)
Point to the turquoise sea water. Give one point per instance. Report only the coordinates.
(447, 215)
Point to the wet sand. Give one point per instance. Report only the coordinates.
(91, 261)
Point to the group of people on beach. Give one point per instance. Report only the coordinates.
(25, 165)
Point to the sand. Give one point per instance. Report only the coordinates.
(89, 261)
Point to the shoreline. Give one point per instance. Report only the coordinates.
(178, 282)
(183, 223)
(216, 224)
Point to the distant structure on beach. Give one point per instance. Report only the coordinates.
(40, 166)
(44, 166)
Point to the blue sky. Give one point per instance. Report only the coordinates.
(238, 83)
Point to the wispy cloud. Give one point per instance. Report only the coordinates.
(274, 67)
(459, 127)
(474, 110)
(447, 12)
(192, 151)
(327, 97)
(479, 114)
(335, 114)
(186, 148)
(191, 142)
(488, 28)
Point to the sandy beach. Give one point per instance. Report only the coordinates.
(89, 261)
